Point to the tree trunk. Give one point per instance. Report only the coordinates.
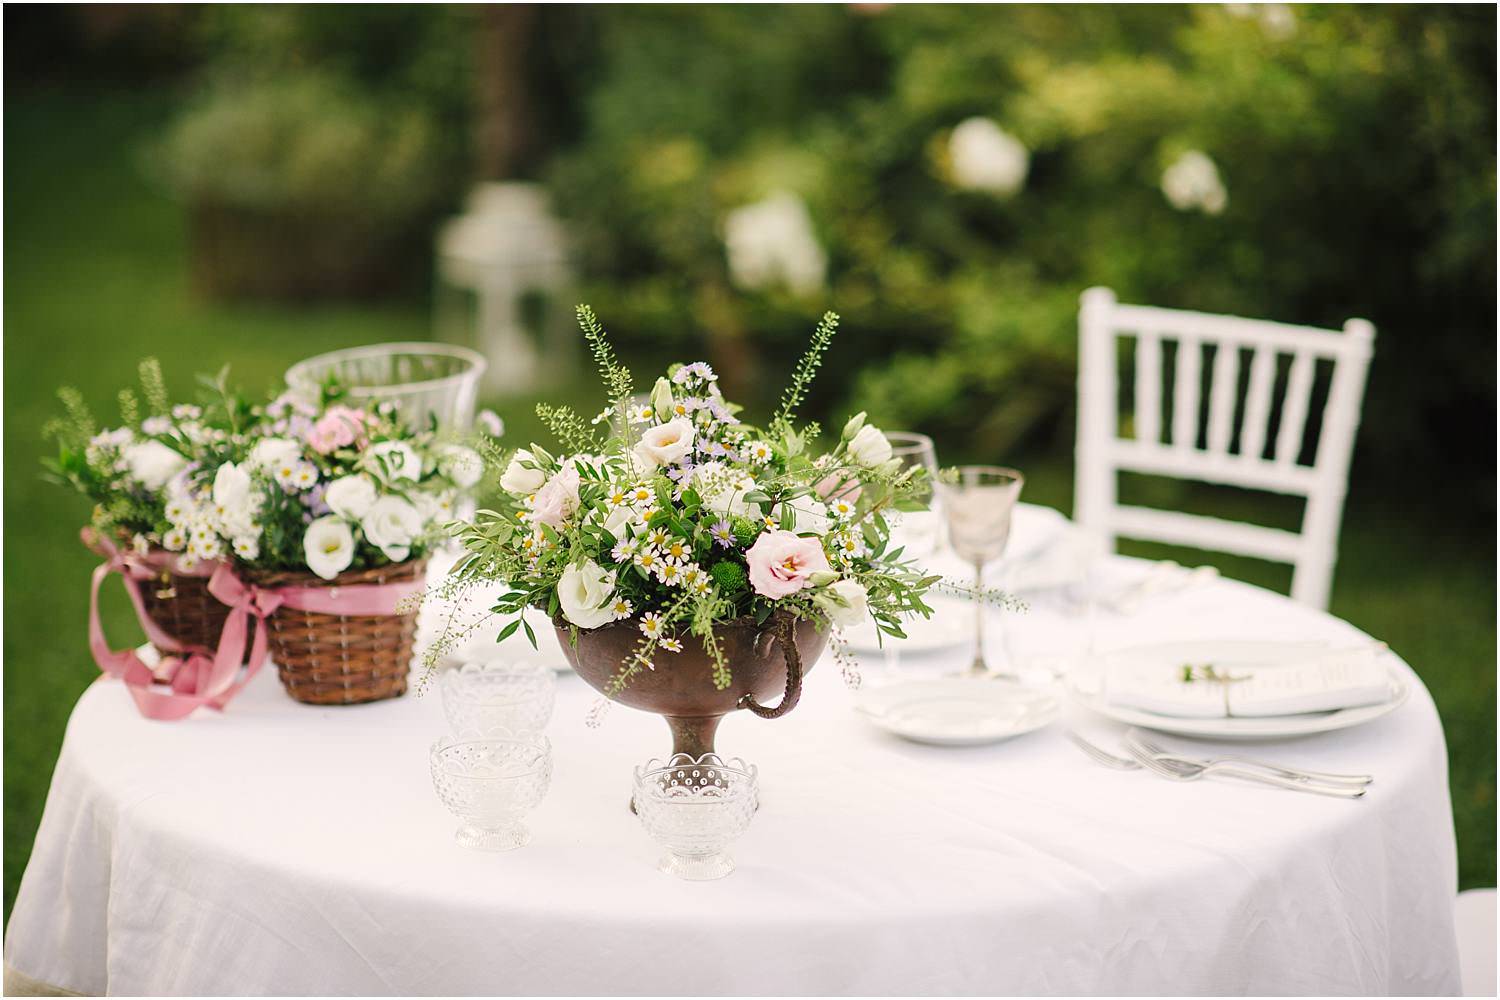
(503, 136)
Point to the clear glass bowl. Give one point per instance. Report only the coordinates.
(498, 693)
(490, 781)
(423, 379)
(696, 808)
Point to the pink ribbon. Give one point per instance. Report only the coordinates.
(184, 683)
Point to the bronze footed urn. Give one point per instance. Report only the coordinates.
(766, 661)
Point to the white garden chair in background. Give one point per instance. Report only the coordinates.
(1212, 436)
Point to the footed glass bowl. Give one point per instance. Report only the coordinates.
(490, 781)
(424, 379)
(696, 808)
(481, 696)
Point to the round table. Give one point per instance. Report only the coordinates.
(281, 848)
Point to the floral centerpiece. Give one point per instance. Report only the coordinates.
(335, 508)
(137, 476)
(677, 548)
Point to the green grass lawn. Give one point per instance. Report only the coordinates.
(95, 278)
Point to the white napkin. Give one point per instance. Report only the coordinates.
(1323, 683)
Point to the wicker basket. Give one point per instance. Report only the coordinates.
(341, 659)
(182, 607)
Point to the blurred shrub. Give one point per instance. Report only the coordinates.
(1350, 171)
(320, 147)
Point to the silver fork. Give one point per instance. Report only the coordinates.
(1295, 773)
(1194, 770)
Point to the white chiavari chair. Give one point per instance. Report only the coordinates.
(1198, 425)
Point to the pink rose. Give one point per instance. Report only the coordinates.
(836, 487)
(339, 427)
(780, 563)
(556, 501)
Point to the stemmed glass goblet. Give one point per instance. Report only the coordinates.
(918, 531)
(978, 501)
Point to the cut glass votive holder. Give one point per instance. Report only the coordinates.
(490, 781)
(486, 694)
(695, 808)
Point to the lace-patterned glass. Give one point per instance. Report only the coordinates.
(696, 808)
(480, 696)
(490, 781)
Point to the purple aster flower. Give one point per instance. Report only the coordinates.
(722, 533)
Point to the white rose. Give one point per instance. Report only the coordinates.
(460, 464)
(391, 525)
(395, 460)
(153, 463)
(666, 443)
(869, 446)
(729, 498)
(984, 157)
(232, 493)
(585, 593)
(328, 545)
(556, 501)
(618, 520)
(269, 453)
(350, 496)
(518, 478)
(811, 515)
(845, 602)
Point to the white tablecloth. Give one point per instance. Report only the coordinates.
(287, 849)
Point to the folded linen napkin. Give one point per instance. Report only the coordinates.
(1323, 682)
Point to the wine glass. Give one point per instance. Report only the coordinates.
(978, 501)
(918, 531)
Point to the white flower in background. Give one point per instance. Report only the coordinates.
(619, 519)
(391, 525)
(274, 453)
(1276, 19)
(518, 478)
(729, 497)
(811, 515)
(174, 540)
(490, 423)
(152, 463)
(350, 496)
(234, 501)
(395, 460)
(247, 547)
(772, 242)
(845, 602)
(586, 594)
(156, 425)
(555, 502)
(666, 443)
(758, 452)
(982, 156)
(870, 446)
(1192, 182)
(179, 510)
(462, 465)
(328, 545)
(662, 400)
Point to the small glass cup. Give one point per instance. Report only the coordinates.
(919, 532)
(491, 780)
(481, 696)
(696, 808)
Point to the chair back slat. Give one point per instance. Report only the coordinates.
(1258, 405)
(1184, 337)
(1299, 386)
(1148, 387)
(1222, 398)
(1189, 375)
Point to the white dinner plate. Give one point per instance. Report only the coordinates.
(951, 625)
(1085, 684)
(957, 711)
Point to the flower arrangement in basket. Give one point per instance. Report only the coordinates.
(330, 515)
(138, 475)
(692, 563)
